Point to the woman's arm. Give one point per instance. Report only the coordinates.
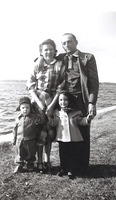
(37, 100)
(32, 84)
(60, 87)
(15, 133)
(50, 107)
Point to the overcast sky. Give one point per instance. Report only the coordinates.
(26, 23)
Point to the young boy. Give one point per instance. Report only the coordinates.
(26, 131)
(45, 83)
(67, 122)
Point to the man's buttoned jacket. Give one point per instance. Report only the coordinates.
(88, 76)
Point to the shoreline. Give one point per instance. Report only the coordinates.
(9, 137)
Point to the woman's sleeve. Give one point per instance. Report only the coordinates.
(61, 81)
(15, 131)
(31, 82)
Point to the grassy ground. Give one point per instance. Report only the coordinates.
(107, 95)
(98, 184)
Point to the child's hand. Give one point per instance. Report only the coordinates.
(49, 111)
(89, 118)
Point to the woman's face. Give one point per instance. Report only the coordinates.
(48, 52)
(63, 101)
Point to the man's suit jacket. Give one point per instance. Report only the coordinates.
(88, 76)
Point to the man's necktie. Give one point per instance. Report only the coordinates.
(70, 62)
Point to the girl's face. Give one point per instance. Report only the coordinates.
(25, 109)
(63, 101)
(48, 52)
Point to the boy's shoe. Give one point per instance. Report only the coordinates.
(18, 168)
(71, 175)
(30, 167)
(40, 168)
(47, 167)
(62, 172)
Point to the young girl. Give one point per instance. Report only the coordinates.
(67, 122)
(25, 133)
(45, 83)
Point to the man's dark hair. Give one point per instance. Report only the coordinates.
(74, 37)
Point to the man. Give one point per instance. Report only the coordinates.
(82, 82)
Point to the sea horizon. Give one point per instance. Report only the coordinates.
(24, 80)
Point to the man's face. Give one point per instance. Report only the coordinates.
(69, 43)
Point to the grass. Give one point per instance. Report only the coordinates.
(98, 184)
(107, 95)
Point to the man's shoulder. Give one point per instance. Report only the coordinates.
(60, 56)
(80, 53)
(85, 55)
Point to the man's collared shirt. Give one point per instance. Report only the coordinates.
(73, 74)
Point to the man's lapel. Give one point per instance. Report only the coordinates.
(82, 58)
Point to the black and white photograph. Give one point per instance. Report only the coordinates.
(58, 100)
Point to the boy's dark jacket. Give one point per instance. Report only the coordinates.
(28, 127)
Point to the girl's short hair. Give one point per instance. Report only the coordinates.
(70, 97)
(48, 41)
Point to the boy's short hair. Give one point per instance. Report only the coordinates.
(22, 100)
(48, 41)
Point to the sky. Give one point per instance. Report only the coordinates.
(24, 24)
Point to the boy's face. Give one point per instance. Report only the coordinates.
(25, 109)
(63, 101)
(48, 52)
(69, 43)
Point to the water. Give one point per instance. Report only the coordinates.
(10, 92)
